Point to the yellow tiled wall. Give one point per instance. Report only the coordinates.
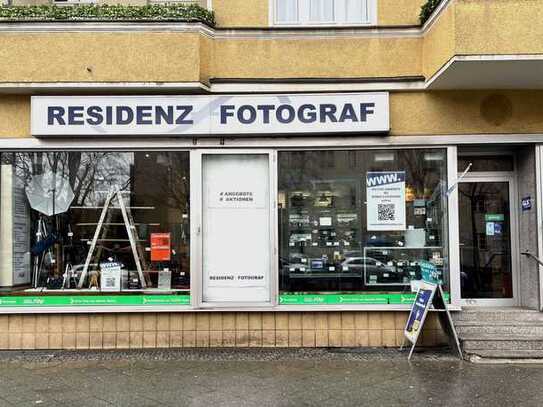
(177, 330)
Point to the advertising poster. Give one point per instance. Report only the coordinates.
(420, 308)
(386, 200)
(429, 272)
(160, 246)
(110, 276)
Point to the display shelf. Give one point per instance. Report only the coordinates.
(404, 269)
(116, 224)
(90, 290)
(325, 275)
(114, 207)
(403, 248)
(111, 240)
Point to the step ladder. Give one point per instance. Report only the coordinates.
(131, 230)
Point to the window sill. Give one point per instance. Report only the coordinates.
(325, 25)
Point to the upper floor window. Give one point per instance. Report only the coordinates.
(324, 12)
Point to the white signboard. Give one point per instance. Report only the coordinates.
(386, 200)
(209, 114)
(110, 276)
(419, 310)
(236, 228)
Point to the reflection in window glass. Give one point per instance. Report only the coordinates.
(94, 222)
(321, 10)
(357, 221)
(486, 163)
(355, 10)
(287, 11)
(332, 12)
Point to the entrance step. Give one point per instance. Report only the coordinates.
(489, 342)
(498, 314)
(508, 354)
(502, 329)
(500, 332)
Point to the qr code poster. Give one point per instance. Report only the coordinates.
(385, 200)
(110, 276)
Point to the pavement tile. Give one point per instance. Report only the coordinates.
(275, 378)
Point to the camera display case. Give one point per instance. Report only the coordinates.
(325, 241)
(396, 266)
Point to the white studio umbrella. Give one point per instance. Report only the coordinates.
(49, 193)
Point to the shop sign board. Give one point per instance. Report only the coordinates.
(386, 201)
(428, 295)
(209, 115)
(419, 311)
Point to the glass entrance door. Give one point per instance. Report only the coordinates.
(486, 260)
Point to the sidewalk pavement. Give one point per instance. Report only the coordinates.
(280, 377)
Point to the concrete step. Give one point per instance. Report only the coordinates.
(501, 333)
(507, 354)
(498, 315)
(503, 343)
(498, 323)
(500, 330)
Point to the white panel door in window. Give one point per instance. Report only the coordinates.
(321, 11)
(236, 227)
(286, 11)
(354, 11)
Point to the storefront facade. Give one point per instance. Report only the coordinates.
(267, 181)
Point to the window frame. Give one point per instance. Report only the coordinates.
(304, 20)
(451, 235)
(31, 305)
(313, 143)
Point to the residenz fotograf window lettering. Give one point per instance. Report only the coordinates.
(356, 226)
(87, 223)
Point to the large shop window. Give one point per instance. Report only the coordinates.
(94, 223)
(327, 12)
(358, 226)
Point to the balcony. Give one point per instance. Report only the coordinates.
(484, 44)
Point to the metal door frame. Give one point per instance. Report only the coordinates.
(510, 178)
(197, 242)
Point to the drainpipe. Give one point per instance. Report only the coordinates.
(539, 261)
(539, 215)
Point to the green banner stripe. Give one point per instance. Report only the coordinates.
(94, 300)
(338, 299)
(158, 300)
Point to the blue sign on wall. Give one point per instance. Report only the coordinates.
(526, 203)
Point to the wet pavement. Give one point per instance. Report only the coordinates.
(368, 377)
